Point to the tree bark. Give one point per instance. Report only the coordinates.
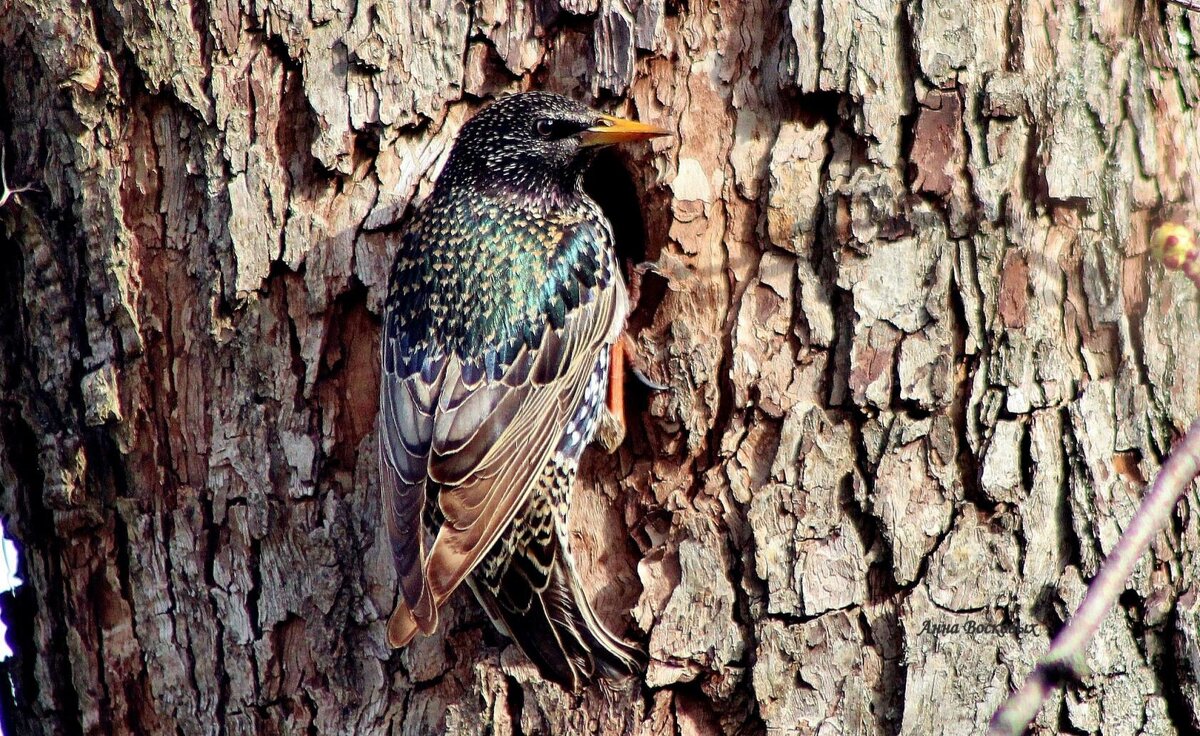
(919, 364)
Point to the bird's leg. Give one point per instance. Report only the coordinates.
(611, 430)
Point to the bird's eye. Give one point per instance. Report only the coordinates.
(544, 127)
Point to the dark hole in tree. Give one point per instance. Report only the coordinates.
(611, 185)
(614, 188)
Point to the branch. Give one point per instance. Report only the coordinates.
(5, 192)
(1064, 661)
(1174, 246)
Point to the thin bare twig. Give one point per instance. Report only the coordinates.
(5, 192)
(1064, 661)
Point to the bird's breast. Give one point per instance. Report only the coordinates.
(479, 280)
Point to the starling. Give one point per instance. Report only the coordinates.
(503, 320)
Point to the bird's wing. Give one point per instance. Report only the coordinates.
(482, 440)
(487, 457)
(407, 405)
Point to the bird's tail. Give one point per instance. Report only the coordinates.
(556, 626)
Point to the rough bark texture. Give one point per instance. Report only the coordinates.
(919, 363)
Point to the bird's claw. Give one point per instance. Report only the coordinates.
(646, 380)
(637, 365)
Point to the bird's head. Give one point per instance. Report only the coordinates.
(534, 142)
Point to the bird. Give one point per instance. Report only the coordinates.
(502, 351)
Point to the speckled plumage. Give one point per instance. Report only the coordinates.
(503, 304)
(477, 277)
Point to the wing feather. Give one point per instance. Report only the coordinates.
(407, 420)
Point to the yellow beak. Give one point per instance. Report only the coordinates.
(619, 130)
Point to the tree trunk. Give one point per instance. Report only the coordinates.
(920, 366)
